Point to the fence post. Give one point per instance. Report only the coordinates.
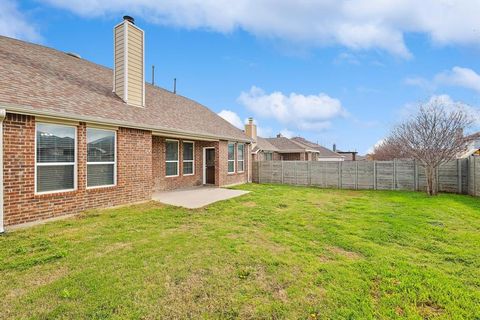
(271, 171)
(282, 170)
(415, 166)
(258, 173)
(309, 173)
(474, 176)
(459, 175)
(437, 177)
(356, 175)
(394, 169)
(374, 175)
(295, 171)
(340, 167)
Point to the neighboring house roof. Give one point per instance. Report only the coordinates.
(285, 145)
(263, 145)
(323, 152)
(473, 146)
(38, 80)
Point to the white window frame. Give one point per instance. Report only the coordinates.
(103, 162)
(47, 164)
(192, 161)
(234, 157)
(177, 161)
(243, 160)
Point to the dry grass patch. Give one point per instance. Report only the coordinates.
(351, 255)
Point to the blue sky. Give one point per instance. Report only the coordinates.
(333, 72)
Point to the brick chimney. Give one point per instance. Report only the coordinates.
(129, 68)
(251, 129)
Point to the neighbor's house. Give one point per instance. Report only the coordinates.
(324, 154)
(290, 150)
(262, 150)
(76, 135)
(349, 155)
(473, 147)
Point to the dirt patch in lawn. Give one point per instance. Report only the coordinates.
(429, 310)
(345, 253)
(249, 204)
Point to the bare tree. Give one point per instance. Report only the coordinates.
(432, 136)
(387, 150)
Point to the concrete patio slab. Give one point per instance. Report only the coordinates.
(194, 198)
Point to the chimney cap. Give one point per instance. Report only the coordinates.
(129, 19)
(250, 120)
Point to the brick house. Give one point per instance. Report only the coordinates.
(324, 154)
(76, 135)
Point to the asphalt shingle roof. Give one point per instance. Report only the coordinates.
(323, 152)
(263, 144)
(42, 80)
(287, 145)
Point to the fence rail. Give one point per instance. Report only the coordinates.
(458, 176)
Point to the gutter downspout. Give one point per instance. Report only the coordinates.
(250, 162)
(2, 117)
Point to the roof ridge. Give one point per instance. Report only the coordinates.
(104, 67)
(92, 83)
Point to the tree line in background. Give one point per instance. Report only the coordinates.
(432, 136)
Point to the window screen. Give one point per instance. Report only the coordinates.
(188, 158)
(231, 157)
(55, 153)
(240, 157)
(171, 156)
(101, 157)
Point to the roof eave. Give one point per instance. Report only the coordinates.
(155, 130)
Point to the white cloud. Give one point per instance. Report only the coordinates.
(15, 24)
(461, 77)
(287, 133)
(420, 82)
(265, 132)
(296, 111)
(372, 148)
(355, 24)
(457, 76)
(449, 103)
(231, 117)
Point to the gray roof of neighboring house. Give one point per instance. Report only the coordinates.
(286, 145)
(323, 152)
(42, 81)
(264, 145)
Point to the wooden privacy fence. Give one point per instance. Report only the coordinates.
(458, 176)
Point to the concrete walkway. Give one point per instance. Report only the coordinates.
(196, 197)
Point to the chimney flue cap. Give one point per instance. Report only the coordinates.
(129, 19)
(250, 120)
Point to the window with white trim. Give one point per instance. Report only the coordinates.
(101, 158)
(240, 157)
(268, 156)
(55, 158)
(231, 157)
(171, 156)
(188, 158)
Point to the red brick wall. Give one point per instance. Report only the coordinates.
(222, 178)
(134, 180)
(293, 156)
(222, 158)
(161, 182)
(260, 156)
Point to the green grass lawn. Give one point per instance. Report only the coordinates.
(279, 252)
